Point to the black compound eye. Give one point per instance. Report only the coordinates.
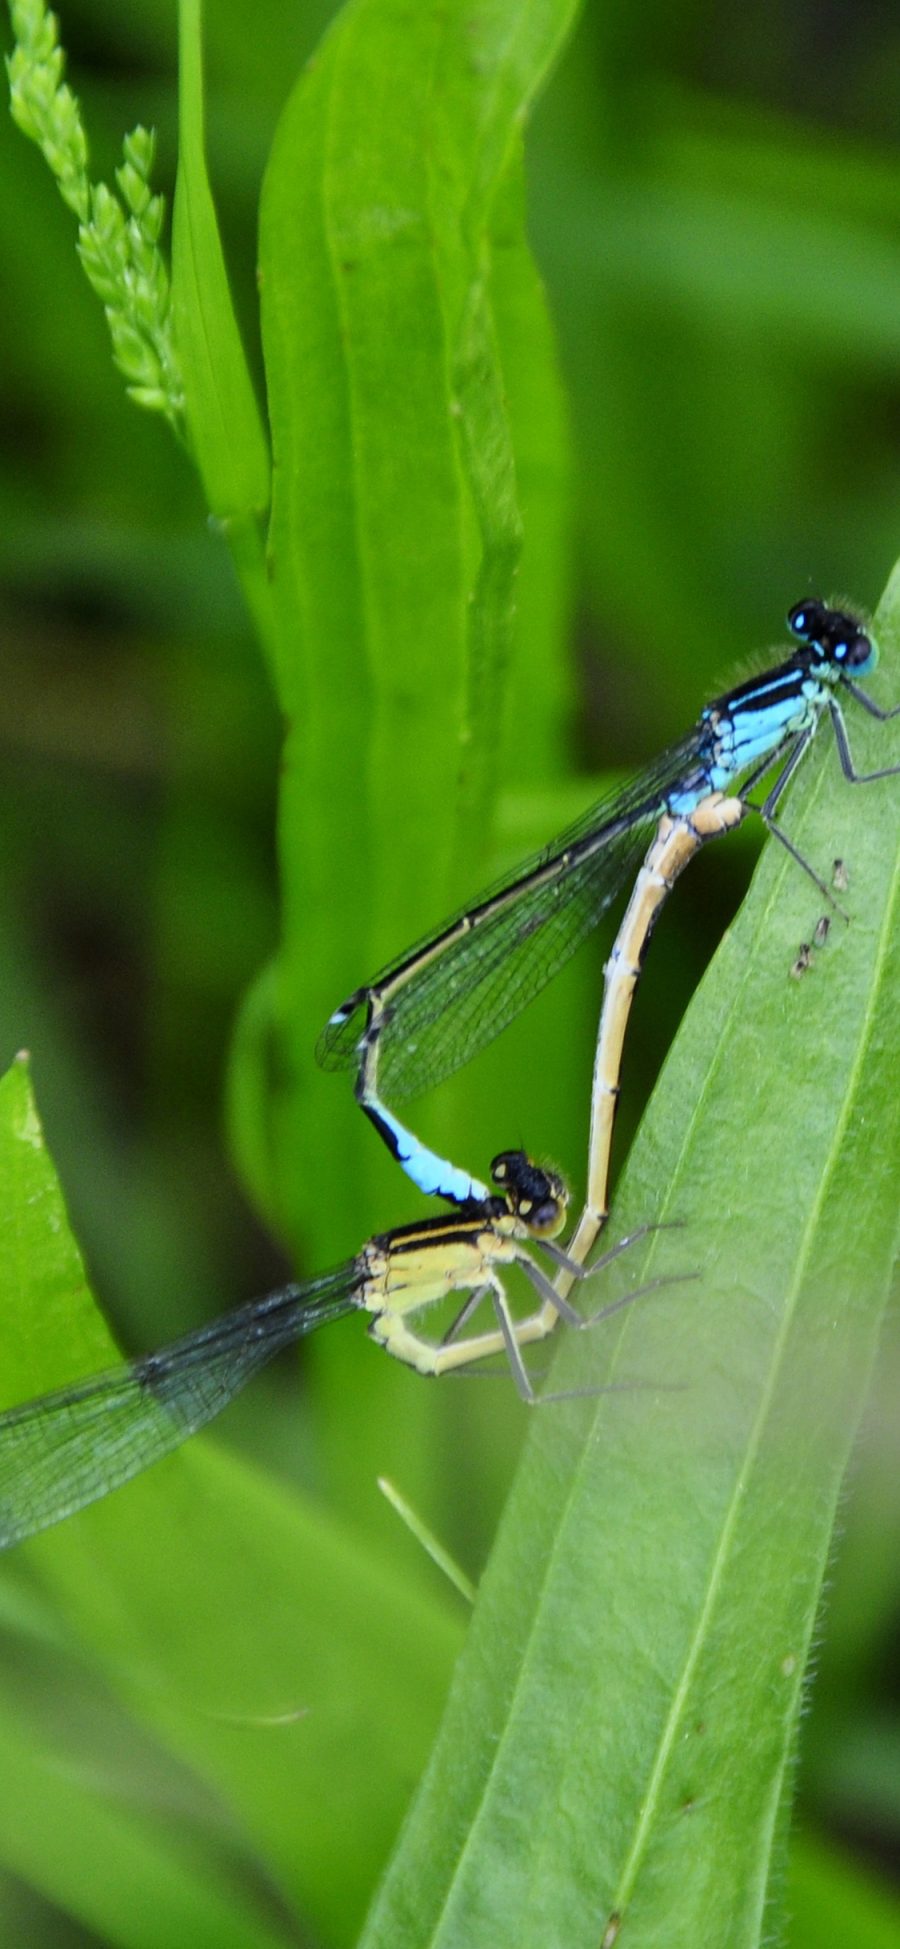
(805, 619)
(511, 1167)
(835, 634)
(856, 654)
(537, 1196)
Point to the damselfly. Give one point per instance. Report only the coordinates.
(70, 1448)
(430, 1011)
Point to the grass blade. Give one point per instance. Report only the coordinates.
(223, 418)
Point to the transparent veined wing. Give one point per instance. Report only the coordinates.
(68, 1449)
(445, 999)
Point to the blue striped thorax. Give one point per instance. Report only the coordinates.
(747, 724)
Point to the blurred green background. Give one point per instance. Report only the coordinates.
(715, 207)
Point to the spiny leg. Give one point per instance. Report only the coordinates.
(869, 704)
(578, 1271)
(583, 1320)
(767, 814)
(509, 1333)
(848, 768)
(465, 1314)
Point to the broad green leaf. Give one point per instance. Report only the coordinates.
(410, 371)
(396, 290)
(243, 1630)
(619, 1738)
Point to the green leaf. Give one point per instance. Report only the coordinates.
(397, 288)
(620, 1733)
(225, 429)
(237, 1628)
(411, 382)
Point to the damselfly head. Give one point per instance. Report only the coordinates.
(537, 1197)
(836, 634)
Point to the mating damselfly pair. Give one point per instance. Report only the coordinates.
(427, 1014)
